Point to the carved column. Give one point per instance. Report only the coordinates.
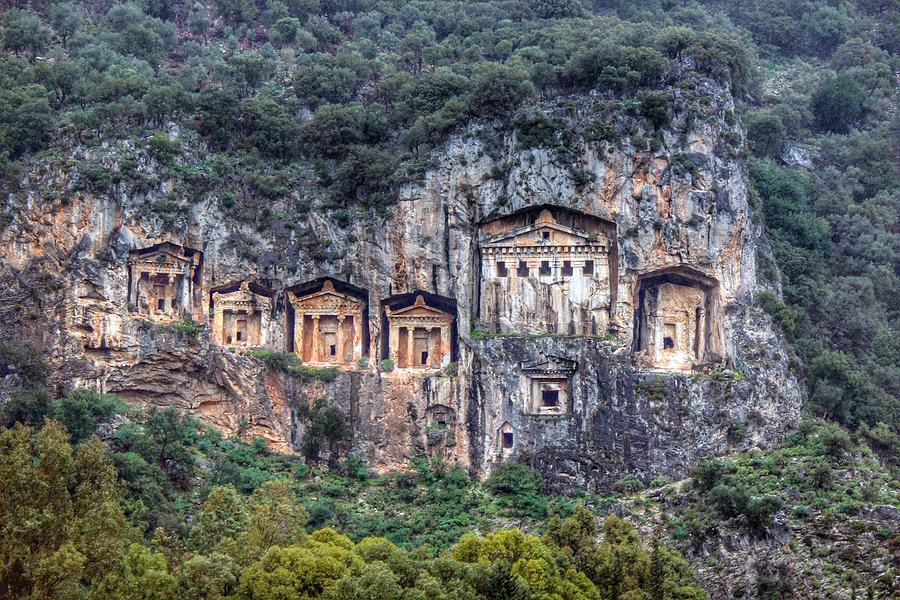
(299, 320)
(135, 286)
(340, 338)
(446, 343)
(314, 355)
(394, 342)
(357, 336)
(410, 346)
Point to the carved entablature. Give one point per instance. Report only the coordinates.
(164, 281)
(548, 380)
(241, 314)
(419, 336)
(539, 275)
(327, 326)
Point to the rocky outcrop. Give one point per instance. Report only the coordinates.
(676, 200)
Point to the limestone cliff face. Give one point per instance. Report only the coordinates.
(678, 211)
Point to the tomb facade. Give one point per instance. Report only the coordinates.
(328, 326)
(164, 282)
(548, 382)
(419, 336)
(241, 315)
(547, 272)
(676, 321)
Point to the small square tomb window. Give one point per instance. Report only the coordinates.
(545, 267)
(522, 271)
(550, 398)
(567, 268)
(507, 439)
(588, 267)
(501, 269)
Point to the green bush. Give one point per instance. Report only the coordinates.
(81, 411)
(838, 104)
(521, 486)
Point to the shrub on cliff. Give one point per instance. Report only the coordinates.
(519, 486)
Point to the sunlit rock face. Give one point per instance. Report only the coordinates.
(593, 314)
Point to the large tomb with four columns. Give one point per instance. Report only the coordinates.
(419, 335)
(327, 324)
(164, 282)
(241, 315)
(547, 270)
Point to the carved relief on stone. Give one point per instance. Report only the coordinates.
(164, 282)
(419, 336)
(241, 316)
(548, 385)
(540, 276)
(327, 326)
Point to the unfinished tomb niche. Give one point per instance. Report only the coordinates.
(164, 281)
(506, 440)
(548, 382)
(241, 315)
(327, 319)
(676, 321)
(420, 332)
(548, 270)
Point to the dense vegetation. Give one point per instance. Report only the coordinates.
(344, 99)
(171, 510)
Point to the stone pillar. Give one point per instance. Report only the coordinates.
(314, 355)
(135, 287)
(299, 319)
(340, 339)
(446, 344)
(394, 344)
(357, 336)
(410, 346)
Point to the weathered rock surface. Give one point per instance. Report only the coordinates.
(64, 286)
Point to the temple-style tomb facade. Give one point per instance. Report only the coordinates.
(164, 281)
(241, 314)
(548, 381)
(419, 336)
(543, 274)
(675, 321)
(327, 326)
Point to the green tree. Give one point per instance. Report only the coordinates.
(61, 525)
(81, 411)
(26, 119)
(25, 32)
(274, 519)
(303, 571)
(66, 20)
(219, 522)
(142, 575)
(838, 104)
(498, 90)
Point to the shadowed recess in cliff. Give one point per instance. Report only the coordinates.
(676, 322)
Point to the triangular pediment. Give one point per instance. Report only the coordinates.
(550, 364)
(419, 309)
(328, 296)
(162, 257)
(530, 235)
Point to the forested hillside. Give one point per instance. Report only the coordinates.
(346, 101)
